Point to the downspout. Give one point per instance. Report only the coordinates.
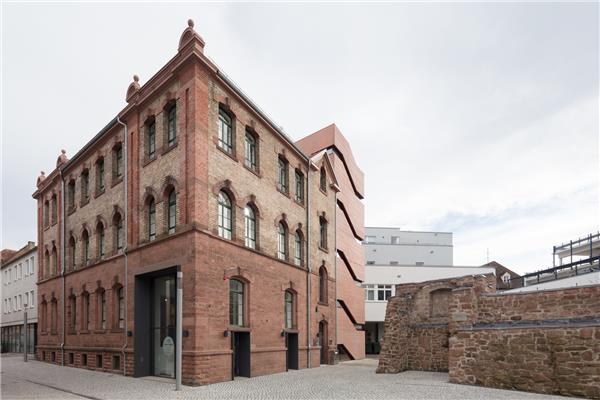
(125, 239)
(62, 262)
(308, 268)
(335, 271)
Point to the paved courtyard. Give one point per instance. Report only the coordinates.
(349, 380)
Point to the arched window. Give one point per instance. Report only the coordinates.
(121, 307)
(102, 306)
(282, 173)
(46, 264)
(236, 302)
(289, 310)
(225, 132)
(119, 231)
(251, 153)
(73, 310)
(298, 248)
(85, 186)
(250, 226)
(46, 213)
(151, 138)
(54, 209)
(151, 219)
(87, 311)
(72, 253)
(172, 211)
(100, 176)
(71, 195)
(322, 233)
(323, 179)
(53, 315)
(100, 235)
(85, 238)
(54, 261)
(323, 285)
(225, 215)
(299, 197)
(282, 248)
(172, 125)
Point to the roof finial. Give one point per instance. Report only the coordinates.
(136, 78)
(63, 151)
(191, 23)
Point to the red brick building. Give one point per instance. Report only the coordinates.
(192, 177)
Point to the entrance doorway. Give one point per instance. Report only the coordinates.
(323, 342)
(155, 317)
(164, 310)
(240, 344)
(291, 342)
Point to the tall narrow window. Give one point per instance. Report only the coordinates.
(46, 213)
(224, 215)
(299, 187)
(119, 231)
(100, 233)
(282, 253)
(288, 309)
(323, 179)
(72, 252)
(298, 250)
(250, 151)
(100, 176)
(322, 285)
(85, 186)
(54, 261)
(282, 183)
(322, 233)
(121, 307)
(85, 238)
(225, 132)
(54, 209)
(118, 161)
(73, 301)
(236, 302)
(53, 313)
(46, 264)
(103, 310)
(250, 225)
(87, 311)
(172, 211)
(172, 125)
(151, 219)
(151, 139)
(71, 195)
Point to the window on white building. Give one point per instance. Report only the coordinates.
(26, 302)
(506, 277)
(20, 302)
(378, 292)
(31, 265)
(395, 240)
(370, 239)
(32, 304)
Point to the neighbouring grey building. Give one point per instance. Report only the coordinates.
(19, 296)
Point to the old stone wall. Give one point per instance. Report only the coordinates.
(546, 342)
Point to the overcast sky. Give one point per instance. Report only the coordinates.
(473, 118)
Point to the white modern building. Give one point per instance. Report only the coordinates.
(394, 256)
(19, 296)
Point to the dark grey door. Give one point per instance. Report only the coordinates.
(291, 340)
(241, 353)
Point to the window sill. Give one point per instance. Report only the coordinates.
(148, 160)
(84, 332)
(285, 193)
(99, 193)
(323, 191)
(99, 331)
(168, 148)
(116, 181)
(46, 227)
(324, 249)
(235, 328)
(322, 304)
(71, 210)
(230, 155)
(83, 203)
(290, 330)
(117, 330)
(252, 170)
(300, 203)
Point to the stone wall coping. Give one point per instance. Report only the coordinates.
(545, 324)
(429, 325)
(448, 280)
(574, 288)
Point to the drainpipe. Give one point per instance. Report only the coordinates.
(62, 262)
(335, 270)
(308, 268)
(125, 239)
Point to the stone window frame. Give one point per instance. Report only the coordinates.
(255, 139)
(283, 246)
(300, 187)
(72, 256)
(226, 147)
(85, 251)
(118, 162)
(323, 232)
(101, 309)
(100, 233)
(150, 132)
(71, 193)
(100, 168)
(255, 220)
(170, 107)
(84, 184)
(222, 229)
(46, 212)
(245, 284)
(293, 317)
(283, 175)
(54, 209)
(299, 247)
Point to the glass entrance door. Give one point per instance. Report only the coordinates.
(163, 325)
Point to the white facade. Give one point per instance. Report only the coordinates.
(391, 246)
(590, 278)
(19, 292)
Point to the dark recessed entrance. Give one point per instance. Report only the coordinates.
(155, 323)
(240, 344)
(291, 342)
(323, 341)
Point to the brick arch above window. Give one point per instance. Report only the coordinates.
(150, 193)
(168, 183)
(84, 228)
(227, 187)
(238, 273)
(100, 220)
(282, 219)
(251, 201)
(116, 210)
(169, 100)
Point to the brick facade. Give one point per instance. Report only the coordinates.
(193, 169)
(546, 342)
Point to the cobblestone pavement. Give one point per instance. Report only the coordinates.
(349, 380)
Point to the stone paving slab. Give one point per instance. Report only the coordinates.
(349, 380)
